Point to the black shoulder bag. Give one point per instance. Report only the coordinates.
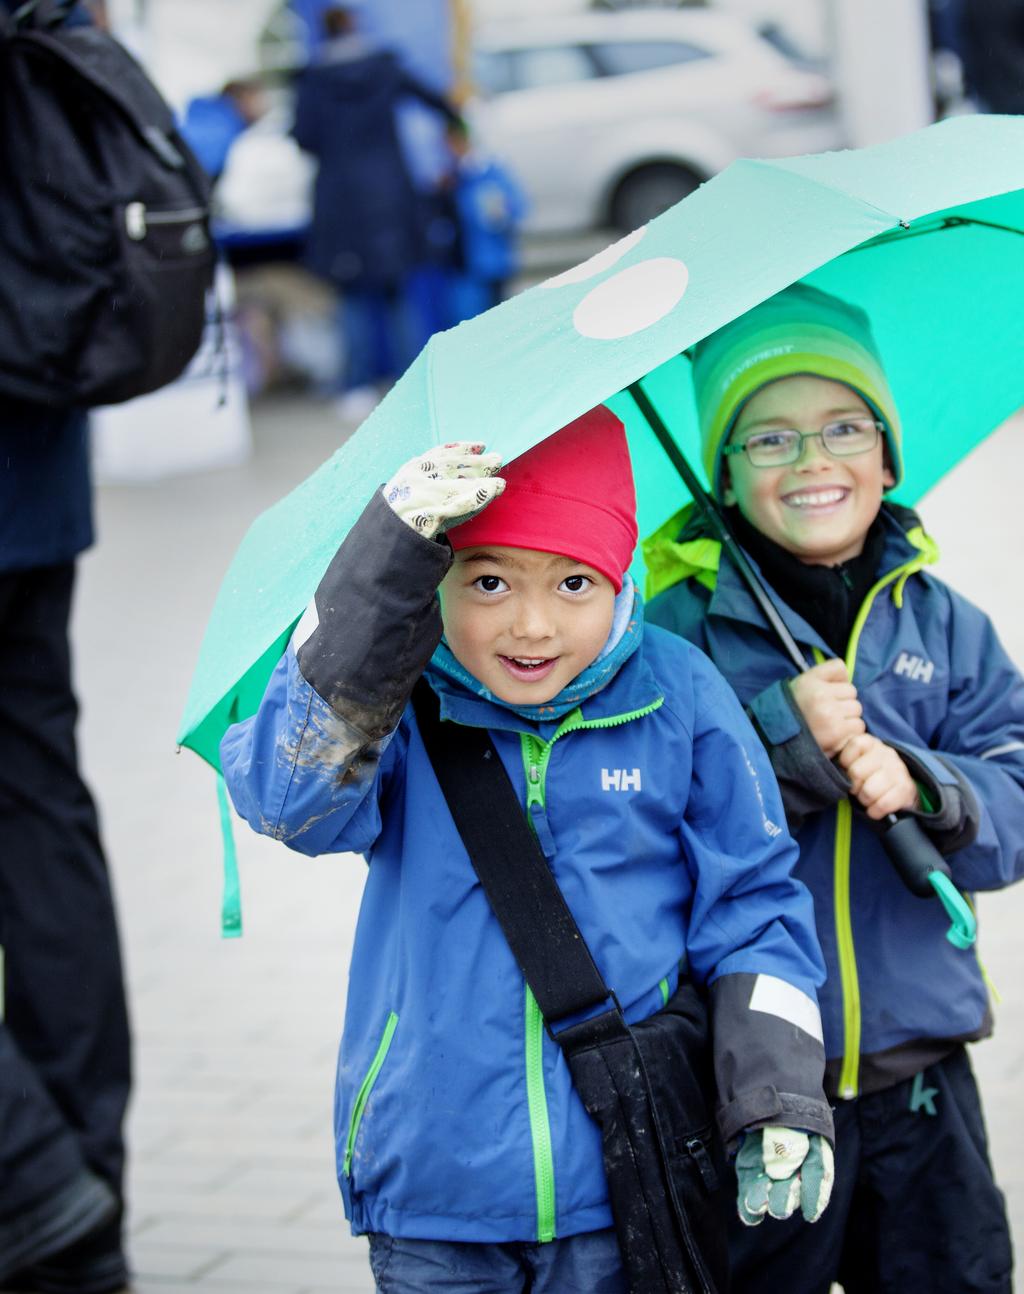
(648, 1085)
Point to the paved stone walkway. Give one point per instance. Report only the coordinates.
(232, 1178)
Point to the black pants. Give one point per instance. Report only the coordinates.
(64, 1044)
(915, 1209)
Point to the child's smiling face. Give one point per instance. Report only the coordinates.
(525, 623)
(819, 508)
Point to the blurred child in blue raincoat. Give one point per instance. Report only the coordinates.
(489, 207)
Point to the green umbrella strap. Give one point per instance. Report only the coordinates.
(231, 903)
(964, 928)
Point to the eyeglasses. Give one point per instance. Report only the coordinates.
(783, 445)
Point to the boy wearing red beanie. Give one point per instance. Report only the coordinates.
(463, 1149)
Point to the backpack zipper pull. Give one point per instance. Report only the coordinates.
(135, 220)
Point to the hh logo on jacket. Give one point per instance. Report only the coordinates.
(620, 779)
(915, 667)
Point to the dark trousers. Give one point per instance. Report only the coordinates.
(64, 1044)
(914, 1210)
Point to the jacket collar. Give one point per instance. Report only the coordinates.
(905, 545)
(633, 687)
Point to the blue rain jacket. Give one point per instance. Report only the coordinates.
(455, 1116)
(936, 684)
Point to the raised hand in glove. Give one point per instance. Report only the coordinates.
(779, 1169)
(444, 487)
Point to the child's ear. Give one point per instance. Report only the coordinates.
(888, 475)
(728, 493)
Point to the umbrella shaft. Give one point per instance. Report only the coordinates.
(719, 526)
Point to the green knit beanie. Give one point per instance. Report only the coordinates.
(799, 330)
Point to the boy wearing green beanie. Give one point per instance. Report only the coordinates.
(912, 707)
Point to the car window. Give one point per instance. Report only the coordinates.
(492, 71)
(616, 58)
(782, 42)
(551, 65)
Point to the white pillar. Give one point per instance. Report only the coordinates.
(881, 57)
(130, 23)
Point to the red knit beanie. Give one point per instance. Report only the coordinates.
(571, 494)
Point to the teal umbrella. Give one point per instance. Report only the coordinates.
(923, 232)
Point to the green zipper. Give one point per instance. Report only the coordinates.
(540, 1124)
(847, 956)
(536, 755)
(363, 1095)
(849, 1073)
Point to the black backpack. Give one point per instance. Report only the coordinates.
(105, 249)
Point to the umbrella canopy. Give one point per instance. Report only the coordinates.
(925, 233)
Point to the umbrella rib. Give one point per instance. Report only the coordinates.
(907, 230)
(430, 350)
(765, 164)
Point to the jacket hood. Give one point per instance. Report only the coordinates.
(358, 76)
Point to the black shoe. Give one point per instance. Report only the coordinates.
(52, 1225)
(94, 1265)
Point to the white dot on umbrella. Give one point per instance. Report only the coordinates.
(603, 260)
(632, 300)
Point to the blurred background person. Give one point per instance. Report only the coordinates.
(992, 43)
(65, 1053)
(488, 207)
(65, 1068)
(946, 38)
(366, 236)
(213, 122)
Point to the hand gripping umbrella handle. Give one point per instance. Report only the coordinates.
(918, 863)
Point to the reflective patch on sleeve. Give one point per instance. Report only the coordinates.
(307, 625)
(775, 996)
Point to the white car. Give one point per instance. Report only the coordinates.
(610, 118)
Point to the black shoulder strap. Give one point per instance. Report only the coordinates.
(530, 908)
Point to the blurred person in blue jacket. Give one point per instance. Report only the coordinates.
(366, 236)
(65, 1066)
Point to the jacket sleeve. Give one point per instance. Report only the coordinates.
(808, 780)
(751, 934)
(310, 766)
(411, 85)
(974, 762)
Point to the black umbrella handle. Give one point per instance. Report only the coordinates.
(903, 840)
(911, 852)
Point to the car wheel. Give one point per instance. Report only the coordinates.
(648, 192)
